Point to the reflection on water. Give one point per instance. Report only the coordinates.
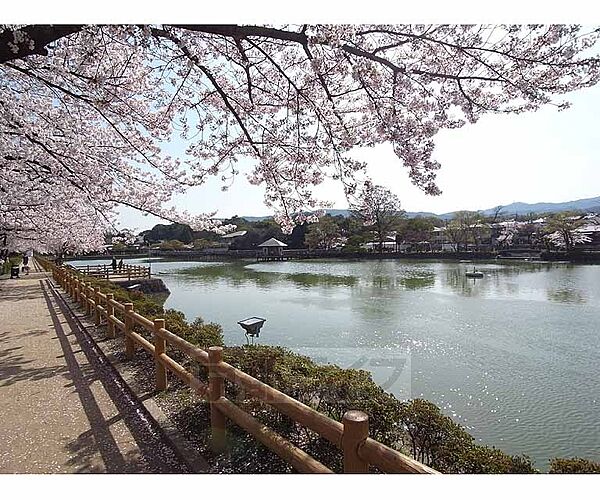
(567, 295)
(514, 356)
(238, 274)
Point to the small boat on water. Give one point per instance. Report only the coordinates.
(474, 274)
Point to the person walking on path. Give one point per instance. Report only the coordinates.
(25, 263)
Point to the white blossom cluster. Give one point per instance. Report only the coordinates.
(85, 112)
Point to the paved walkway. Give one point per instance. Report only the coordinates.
(63, 407)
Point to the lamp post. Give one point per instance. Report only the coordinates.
(252, 327)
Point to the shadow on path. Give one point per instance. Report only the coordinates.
(21, 292)
(155, 453)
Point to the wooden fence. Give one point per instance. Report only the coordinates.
(351, 435)
(106, 271)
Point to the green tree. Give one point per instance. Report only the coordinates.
(379, 210)
(161, 232)
(201, 244)
(414, 230)
(468, 227)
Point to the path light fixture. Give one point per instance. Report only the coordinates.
(252, 326)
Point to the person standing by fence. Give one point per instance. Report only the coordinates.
(120, 264)
(114, 263)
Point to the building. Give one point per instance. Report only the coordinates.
(272, 249)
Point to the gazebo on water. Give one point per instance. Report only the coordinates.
(272, 249)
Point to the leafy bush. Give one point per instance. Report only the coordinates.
(574, 465)
(436, 440)
(198, 332)
(13, 260)
(276, 366)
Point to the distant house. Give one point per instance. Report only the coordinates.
(272, 248)
(387, 245)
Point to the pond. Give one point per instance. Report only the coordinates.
(514, 356)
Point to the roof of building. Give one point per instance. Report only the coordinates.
(272, 243)
(234, 235)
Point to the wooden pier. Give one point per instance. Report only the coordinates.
(126, 272)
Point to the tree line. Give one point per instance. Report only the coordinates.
(386, 222)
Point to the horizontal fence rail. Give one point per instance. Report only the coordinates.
(350, 436)
(108, 272)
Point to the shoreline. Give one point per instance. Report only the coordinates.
(191, 255)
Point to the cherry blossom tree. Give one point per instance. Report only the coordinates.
(379, 210)
(86, 111)
(324, 234)
(563, 230)
(510, 230)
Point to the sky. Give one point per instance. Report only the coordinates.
(543, 156)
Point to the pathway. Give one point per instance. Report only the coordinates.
(63, 407)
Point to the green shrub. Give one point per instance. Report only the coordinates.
(477, 459)
(436, 440)
(574, 465)
(13, 260)
(276, 366)
(198, 332)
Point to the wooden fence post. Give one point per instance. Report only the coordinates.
(85, 294)
(89, 294)
(356, 431)
(129, 344)
(216, 390)
(97, 316)
(110, 311)
(75, 289)
(160, 347)
(82, 292)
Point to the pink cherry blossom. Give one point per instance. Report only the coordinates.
(86, 112)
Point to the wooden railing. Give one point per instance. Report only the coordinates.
(106, 271)
(350, 435)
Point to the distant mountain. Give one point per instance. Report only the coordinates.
(346, 213)
(519, 208)
(586, 204)
(334, 212)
